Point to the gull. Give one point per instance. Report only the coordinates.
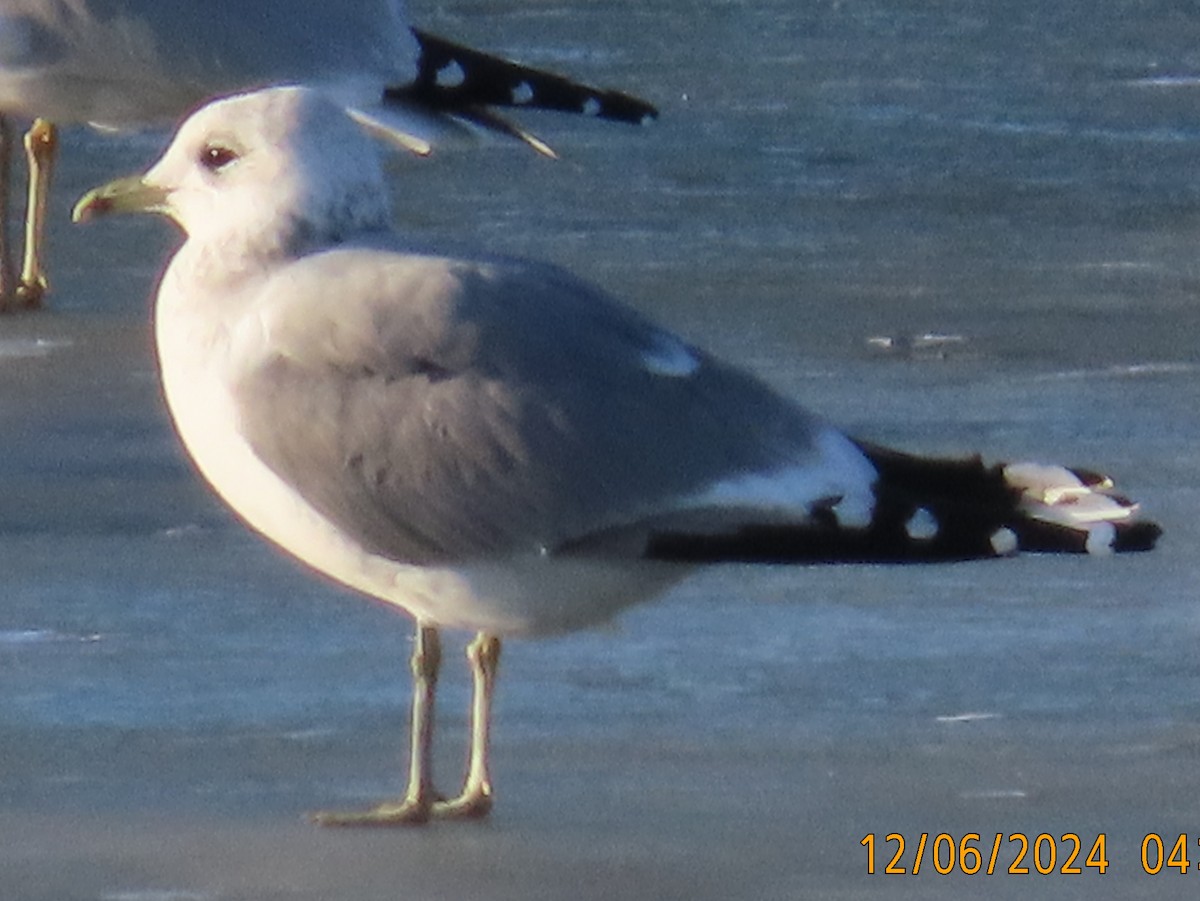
(123, 63)
(492, 444)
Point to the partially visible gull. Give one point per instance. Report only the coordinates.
(492, 444)
(122, 63)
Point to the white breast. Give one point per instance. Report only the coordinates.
(530, 595)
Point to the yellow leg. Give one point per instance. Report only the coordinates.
(416, 805)
(476, 798)
(41, 148)
(7, 270)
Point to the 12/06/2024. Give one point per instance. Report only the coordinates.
(1017, 854)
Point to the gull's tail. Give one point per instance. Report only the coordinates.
(457, 80)
(966, 508)
(930, 509)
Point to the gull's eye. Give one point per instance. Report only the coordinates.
(215, 157)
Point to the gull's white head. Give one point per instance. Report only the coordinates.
(262, 174)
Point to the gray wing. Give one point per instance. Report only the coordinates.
(439, 409)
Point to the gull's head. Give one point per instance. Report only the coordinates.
(266, 173)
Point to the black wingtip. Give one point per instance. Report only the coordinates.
(1138, 537)
(1037, 537)
(454, 78)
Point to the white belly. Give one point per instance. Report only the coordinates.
(532, 594)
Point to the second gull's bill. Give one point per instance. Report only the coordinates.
(492, 444)
(120, 63)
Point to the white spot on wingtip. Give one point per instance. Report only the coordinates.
(922, 525)
(451, 75)
(591, 107)
(1004, 542)
(1101, 538)
(522, 93)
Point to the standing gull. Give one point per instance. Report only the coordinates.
(492, 444)
(120, 63)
